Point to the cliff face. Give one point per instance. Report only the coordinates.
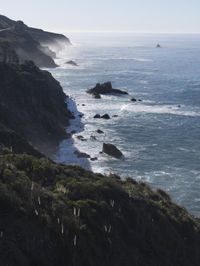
(33, 104)
(30, 43)
(61, 215)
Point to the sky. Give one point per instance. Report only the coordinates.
(145, 16)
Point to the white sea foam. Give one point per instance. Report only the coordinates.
(159, 109)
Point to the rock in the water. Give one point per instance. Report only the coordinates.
(94, 159)
(80, 137)
(72, 63)
(96, 96)
(133, 99)
(81, 154)
(115, 116)
(105, 116)
(73, 132)
(105, 88)
(93, 137)
(99, 131)
(112, 150)
(97, 116)
(158, 46)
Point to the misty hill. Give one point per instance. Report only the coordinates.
(30, 43)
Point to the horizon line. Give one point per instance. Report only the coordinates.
(121, 32)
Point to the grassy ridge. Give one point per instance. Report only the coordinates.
(63, 215)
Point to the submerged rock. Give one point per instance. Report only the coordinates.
(105, 116)
(112, 150)
(99, 131)
(94, 159)
(133, 99)
(72, 63)
(80, 137)
(105, 88)
(81, 154)
(97, 116)
(96, 96)
(93, 137)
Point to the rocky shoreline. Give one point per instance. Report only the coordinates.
(54, 214)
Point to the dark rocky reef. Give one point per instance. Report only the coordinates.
(30, 43)
(105, 88)
(33, 105)
(63, 215)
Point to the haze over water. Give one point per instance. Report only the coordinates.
(160, 136)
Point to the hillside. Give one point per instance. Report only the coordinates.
(33, 105)
(63, 215)
(30, 43)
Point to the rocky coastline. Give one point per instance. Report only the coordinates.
(54, 214)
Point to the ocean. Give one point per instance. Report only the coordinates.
(159, 136)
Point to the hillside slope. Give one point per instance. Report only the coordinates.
(33, 104)
(64, 215)
(30, 43)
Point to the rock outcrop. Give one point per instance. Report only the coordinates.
(30, 43)
(105, 88)
(112, 150)
(72, 63)
(105, 116)
(33, 105)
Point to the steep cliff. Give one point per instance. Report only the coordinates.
(30, 43)
(33, 104)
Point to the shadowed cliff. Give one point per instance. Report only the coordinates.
(33, 104)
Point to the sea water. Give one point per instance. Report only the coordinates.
(159, 136)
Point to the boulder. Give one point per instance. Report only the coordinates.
(133, 99)
(80, 137)
(81, 154)
(96, 96)
(97, 116)
(73, 132)
(72, 63)
(105, 88)
(99, 131)
(93, 137)
(105, 116)
(112, 150)
(94, 159)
